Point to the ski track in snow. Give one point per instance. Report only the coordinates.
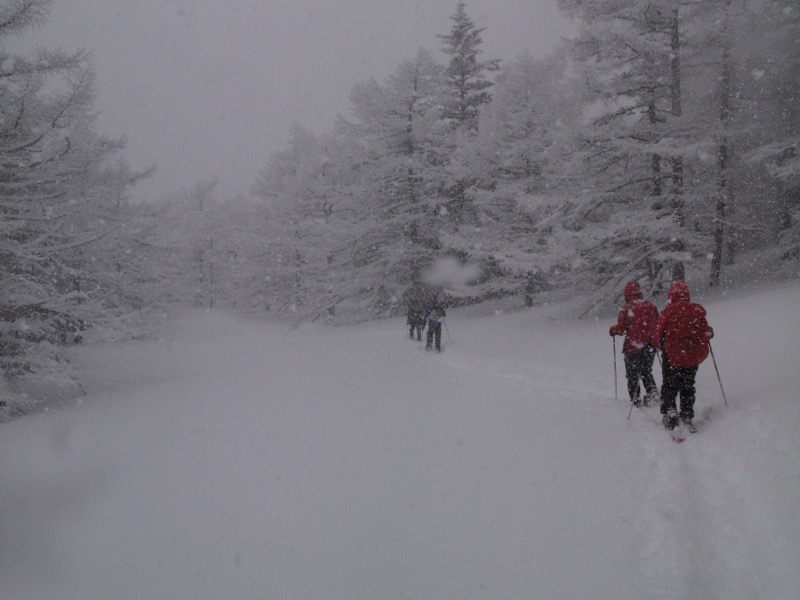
(705, 525)
(700, 527)
(684, 506)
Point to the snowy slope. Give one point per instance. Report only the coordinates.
(235, 459)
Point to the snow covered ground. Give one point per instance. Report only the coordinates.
(235, 459)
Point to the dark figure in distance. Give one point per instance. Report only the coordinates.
(415, 317)
(434, 314)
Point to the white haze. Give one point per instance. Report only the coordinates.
(211, 89)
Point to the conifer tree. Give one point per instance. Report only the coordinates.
(396, 152)
(465, 92)
(467, 87)
(633, 210)
(62, 192)
(307, 202)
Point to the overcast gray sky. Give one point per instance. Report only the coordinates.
(206, 88)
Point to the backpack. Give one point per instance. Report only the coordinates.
(642, 320)
(688, 335)
(436, 314)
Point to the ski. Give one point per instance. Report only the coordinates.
(676, 431)
(679, 432)
(676, 435)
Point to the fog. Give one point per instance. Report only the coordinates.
(209, 89)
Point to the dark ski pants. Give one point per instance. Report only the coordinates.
(639, 365)
(678, 380)
(434, 331)
(416, 323)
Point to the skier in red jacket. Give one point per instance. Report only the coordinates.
(637, 321)
(683, 335)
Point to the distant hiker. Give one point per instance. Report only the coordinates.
(682, 334)
(434, 314)
(415, 319)
(637, 322)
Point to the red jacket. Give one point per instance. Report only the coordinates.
(682, 331)
(637, 320)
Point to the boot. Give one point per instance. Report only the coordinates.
(670, 419)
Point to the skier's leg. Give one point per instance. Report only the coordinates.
(688, 392)
(648, 356)
(632, 374)
(669, 387)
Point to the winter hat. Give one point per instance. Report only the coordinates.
(633, 291)
(679, 292)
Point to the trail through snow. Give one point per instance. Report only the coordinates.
(236, 459)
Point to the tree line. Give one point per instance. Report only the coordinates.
(658, 143)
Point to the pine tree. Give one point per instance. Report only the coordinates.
(309, 212)
(633, 212)
(466, 91)
(517, 156)
(396, 153)
(766, 115)
(61, 193)
(465, 76)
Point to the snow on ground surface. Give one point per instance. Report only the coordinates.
(236, 459)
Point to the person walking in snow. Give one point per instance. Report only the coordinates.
(637, 321)
(415, 318)
(683, 335)
(415, 321)
(434, 315)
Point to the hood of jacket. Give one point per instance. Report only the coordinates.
(633, 291)
(679, 292)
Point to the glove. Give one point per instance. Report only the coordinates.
(611, 331)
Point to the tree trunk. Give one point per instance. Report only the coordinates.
(654, 266)
(678, 202)
(656, 171)
(211, 282)
(723, 192)
(679, 215)
(655, 167)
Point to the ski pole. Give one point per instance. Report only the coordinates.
(714, 360)
(446, 330)
(638, 395)
(614, 350)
